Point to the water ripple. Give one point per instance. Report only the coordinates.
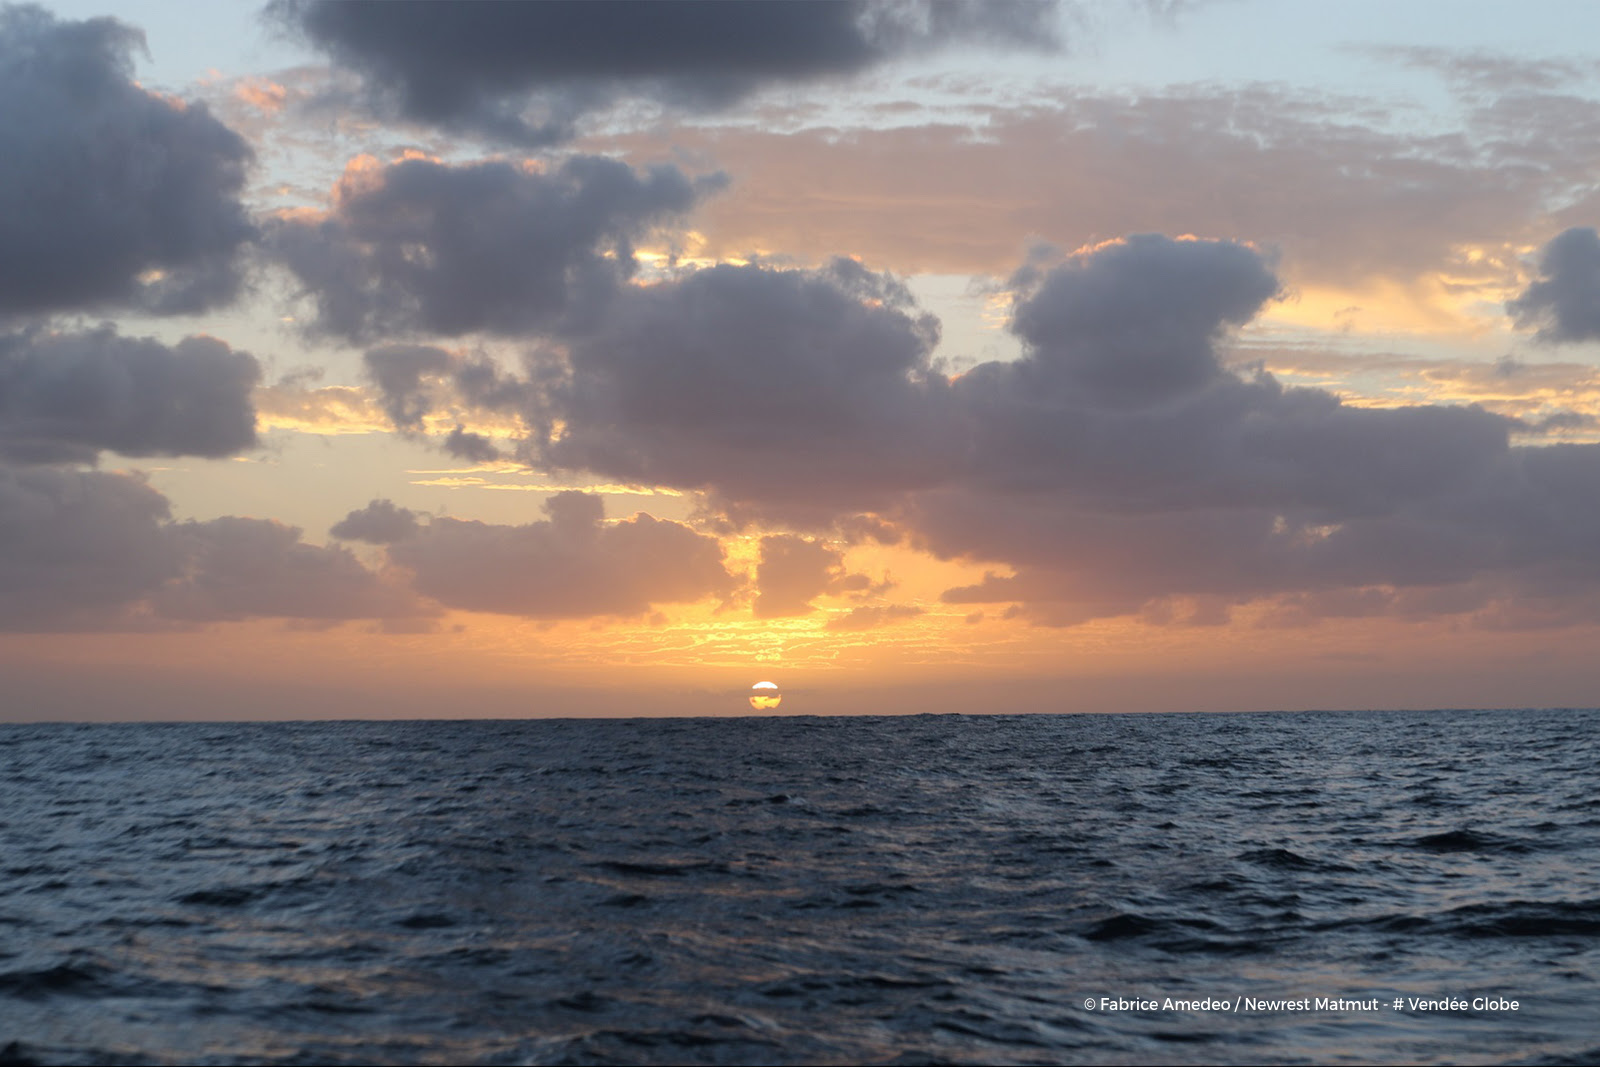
(924, 889)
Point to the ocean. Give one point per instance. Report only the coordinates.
(1362, 887)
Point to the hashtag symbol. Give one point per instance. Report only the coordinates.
(1397, 1003)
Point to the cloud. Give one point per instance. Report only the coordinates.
(66, 396)
(416, 381)
(472, 447)
(1564, 304)
(870, 617)
(1474, 72)
(1234, 444)
(89, 550)
(1547, 397)
(76, 546)
(1108, 496)
(527, 72)
(109, 194)
(238, 568)
(786, 390)
(795, 570)
(791, 393)
(1484, 72)
(808, 395)
(1121, 400)
(572, 565)
(94, 551)
(424, 247)
(1135, 322)
(399, 372)
(331, 409)
(380, 523)
(1119, 467)
(1346, 198)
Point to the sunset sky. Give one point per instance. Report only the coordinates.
(606, 358)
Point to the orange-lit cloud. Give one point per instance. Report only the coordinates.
(1554, 399)
(262, 94)
(1349, 206)
(330, 409)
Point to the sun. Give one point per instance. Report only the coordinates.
(764, 696)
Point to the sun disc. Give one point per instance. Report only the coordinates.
(764, 696)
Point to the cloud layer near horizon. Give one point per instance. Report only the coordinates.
(88, 550)
(1116, 468)
(570, 565)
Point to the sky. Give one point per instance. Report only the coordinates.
(368, 360)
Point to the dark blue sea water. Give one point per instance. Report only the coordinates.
(801, 890)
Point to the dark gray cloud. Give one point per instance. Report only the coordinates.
(87, 550)
(472, 447)
(380, 523)
(67, 396)
(109, 194)
(784, 389)
(1115, 466)
(573, 565)
(1187, 481)
(792, 393)
(807, 394)
(415, 380)
(527, 72)
(1118, 467)
(424, 247)
(76, 547)
(404, 375)
(238, 568)
(1564, 304)
(1513, 546)
(1135, 323)
(1121, 398)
